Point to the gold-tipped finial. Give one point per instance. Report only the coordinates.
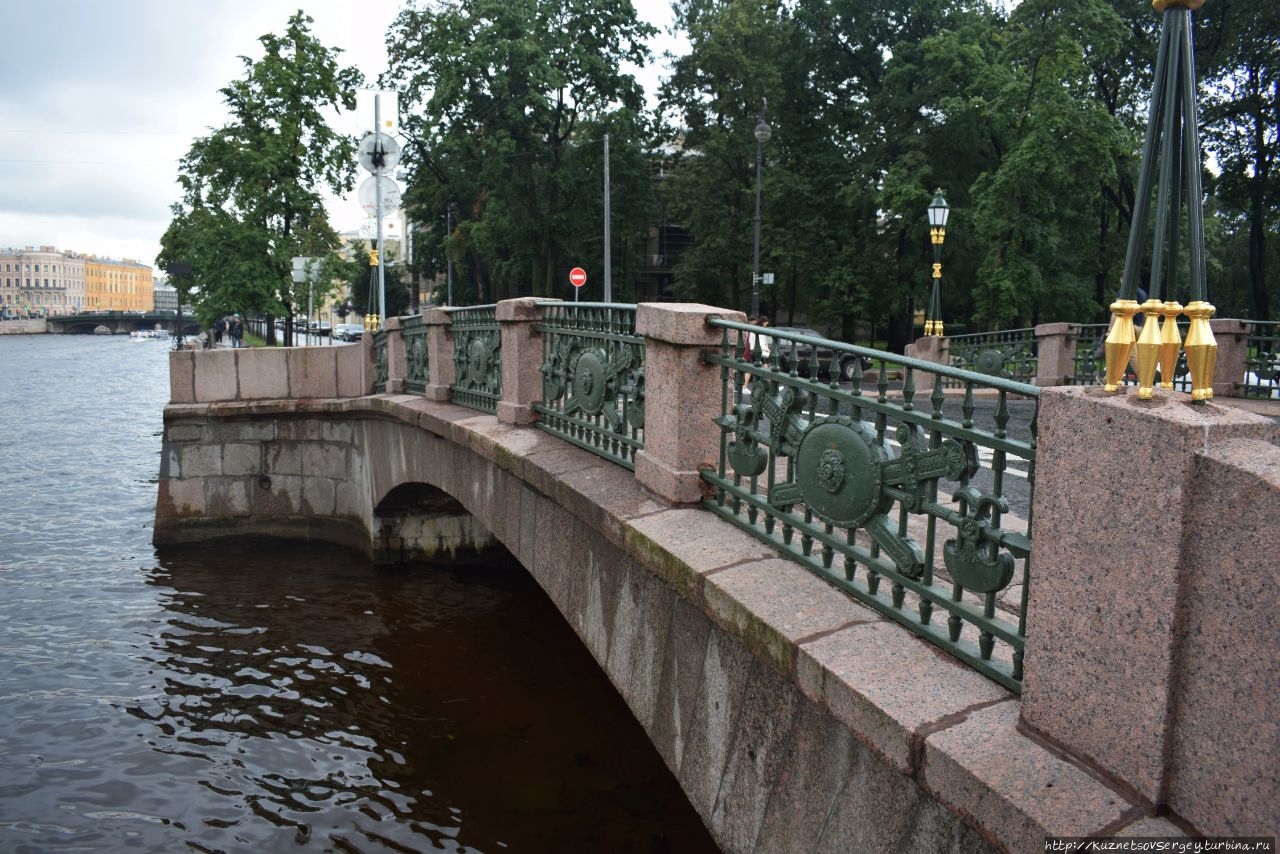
(1148, 349)
(1119, 344)
(1170, 341)
(1201, 349)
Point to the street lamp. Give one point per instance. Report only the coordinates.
(938, 213)
(762, 132)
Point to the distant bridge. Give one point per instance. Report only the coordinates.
(120, 322)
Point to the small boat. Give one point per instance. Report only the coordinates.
(149, 335)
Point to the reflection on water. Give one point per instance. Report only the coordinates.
(255, 696)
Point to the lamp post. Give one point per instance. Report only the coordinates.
(938, 213)
(762, 132)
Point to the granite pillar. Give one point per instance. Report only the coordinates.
(1233, 350)
(394, 327)
(439, 354)
(682, 396)
(521, 360)
(1055, 353)
(930, 348)
(1114, 507)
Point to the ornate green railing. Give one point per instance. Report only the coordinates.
(1262, 360)
(477, 357)
(417, 373)
(380, 361)
(593, 378)
(1009, 354)
(914, 501)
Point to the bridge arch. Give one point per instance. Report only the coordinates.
(712, 679)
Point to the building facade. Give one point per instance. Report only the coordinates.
(112, 285)
(38, 282)
(165, 297)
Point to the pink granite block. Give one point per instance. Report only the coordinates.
(263, 373)
(682, 323)
(215, 376)
(774, 605)
(680, 682)
(182, 376)
(1225, 778)
(1111, 508)
(806, 784)
(683, 545)
(930, 348)
(759, 751)
(726, 668)
(889, 686)
(313, 372)
(1013, 789)
(355, 369)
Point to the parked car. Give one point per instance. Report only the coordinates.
(803, 354)
(348, 332)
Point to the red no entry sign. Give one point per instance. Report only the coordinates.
(577, 277)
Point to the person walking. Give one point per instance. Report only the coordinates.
(219, 327)
(237, 332)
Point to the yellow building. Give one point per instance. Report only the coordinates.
(117, 285)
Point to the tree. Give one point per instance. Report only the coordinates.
(506, 103)
(1240, 57)
(252, 190)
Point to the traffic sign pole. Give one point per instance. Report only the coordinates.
(577, 278)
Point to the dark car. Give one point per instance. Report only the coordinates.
(803, 354)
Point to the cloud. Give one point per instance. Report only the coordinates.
(101, 100)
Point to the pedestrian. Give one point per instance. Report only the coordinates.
(766, 341)
(219, 327)
(237, 332)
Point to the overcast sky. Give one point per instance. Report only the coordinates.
(99, 101)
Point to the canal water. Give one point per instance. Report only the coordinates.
(258, 696)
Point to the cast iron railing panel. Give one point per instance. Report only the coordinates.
(1262, 360)
(380, 361)
(593, 378)
(1009, 354)
(888, 487)
(417, 373)
(477, 357)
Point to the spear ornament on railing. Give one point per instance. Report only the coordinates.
(1172, 143)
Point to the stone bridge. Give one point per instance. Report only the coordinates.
(119, 323)
(795, 716)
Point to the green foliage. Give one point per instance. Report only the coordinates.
(506, 103)
(1239, 55)
(252, 190)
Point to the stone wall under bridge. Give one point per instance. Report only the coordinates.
(795, 718)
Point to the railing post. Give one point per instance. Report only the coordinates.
(682, 397)
(394, 328)
(521, 359)
(1117, 514)
(439, 354)
(1233, 352)
(1056, 354)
